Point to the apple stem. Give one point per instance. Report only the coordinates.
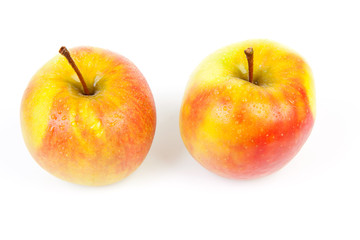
(249, 52)
(63, 51)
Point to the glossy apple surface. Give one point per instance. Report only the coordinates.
(95, 139)
(243, 130)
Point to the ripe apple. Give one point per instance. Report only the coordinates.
(89, 117)
(246, 124)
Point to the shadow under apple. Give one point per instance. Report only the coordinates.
(167, 148)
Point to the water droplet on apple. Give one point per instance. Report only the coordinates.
(100, 133)
(53, 117)
(97, 78)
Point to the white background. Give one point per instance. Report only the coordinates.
(170, 196)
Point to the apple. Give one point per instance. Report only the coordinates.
(89, 117)
(245, 124)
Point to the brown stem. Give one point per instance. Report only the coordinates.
(63, 51)
(250, 58)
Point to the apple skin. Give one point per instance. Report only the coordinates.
(242, 130)
(94, 139)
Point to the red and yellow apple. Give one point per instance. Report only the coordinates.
(245, 129)
(93, 137)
